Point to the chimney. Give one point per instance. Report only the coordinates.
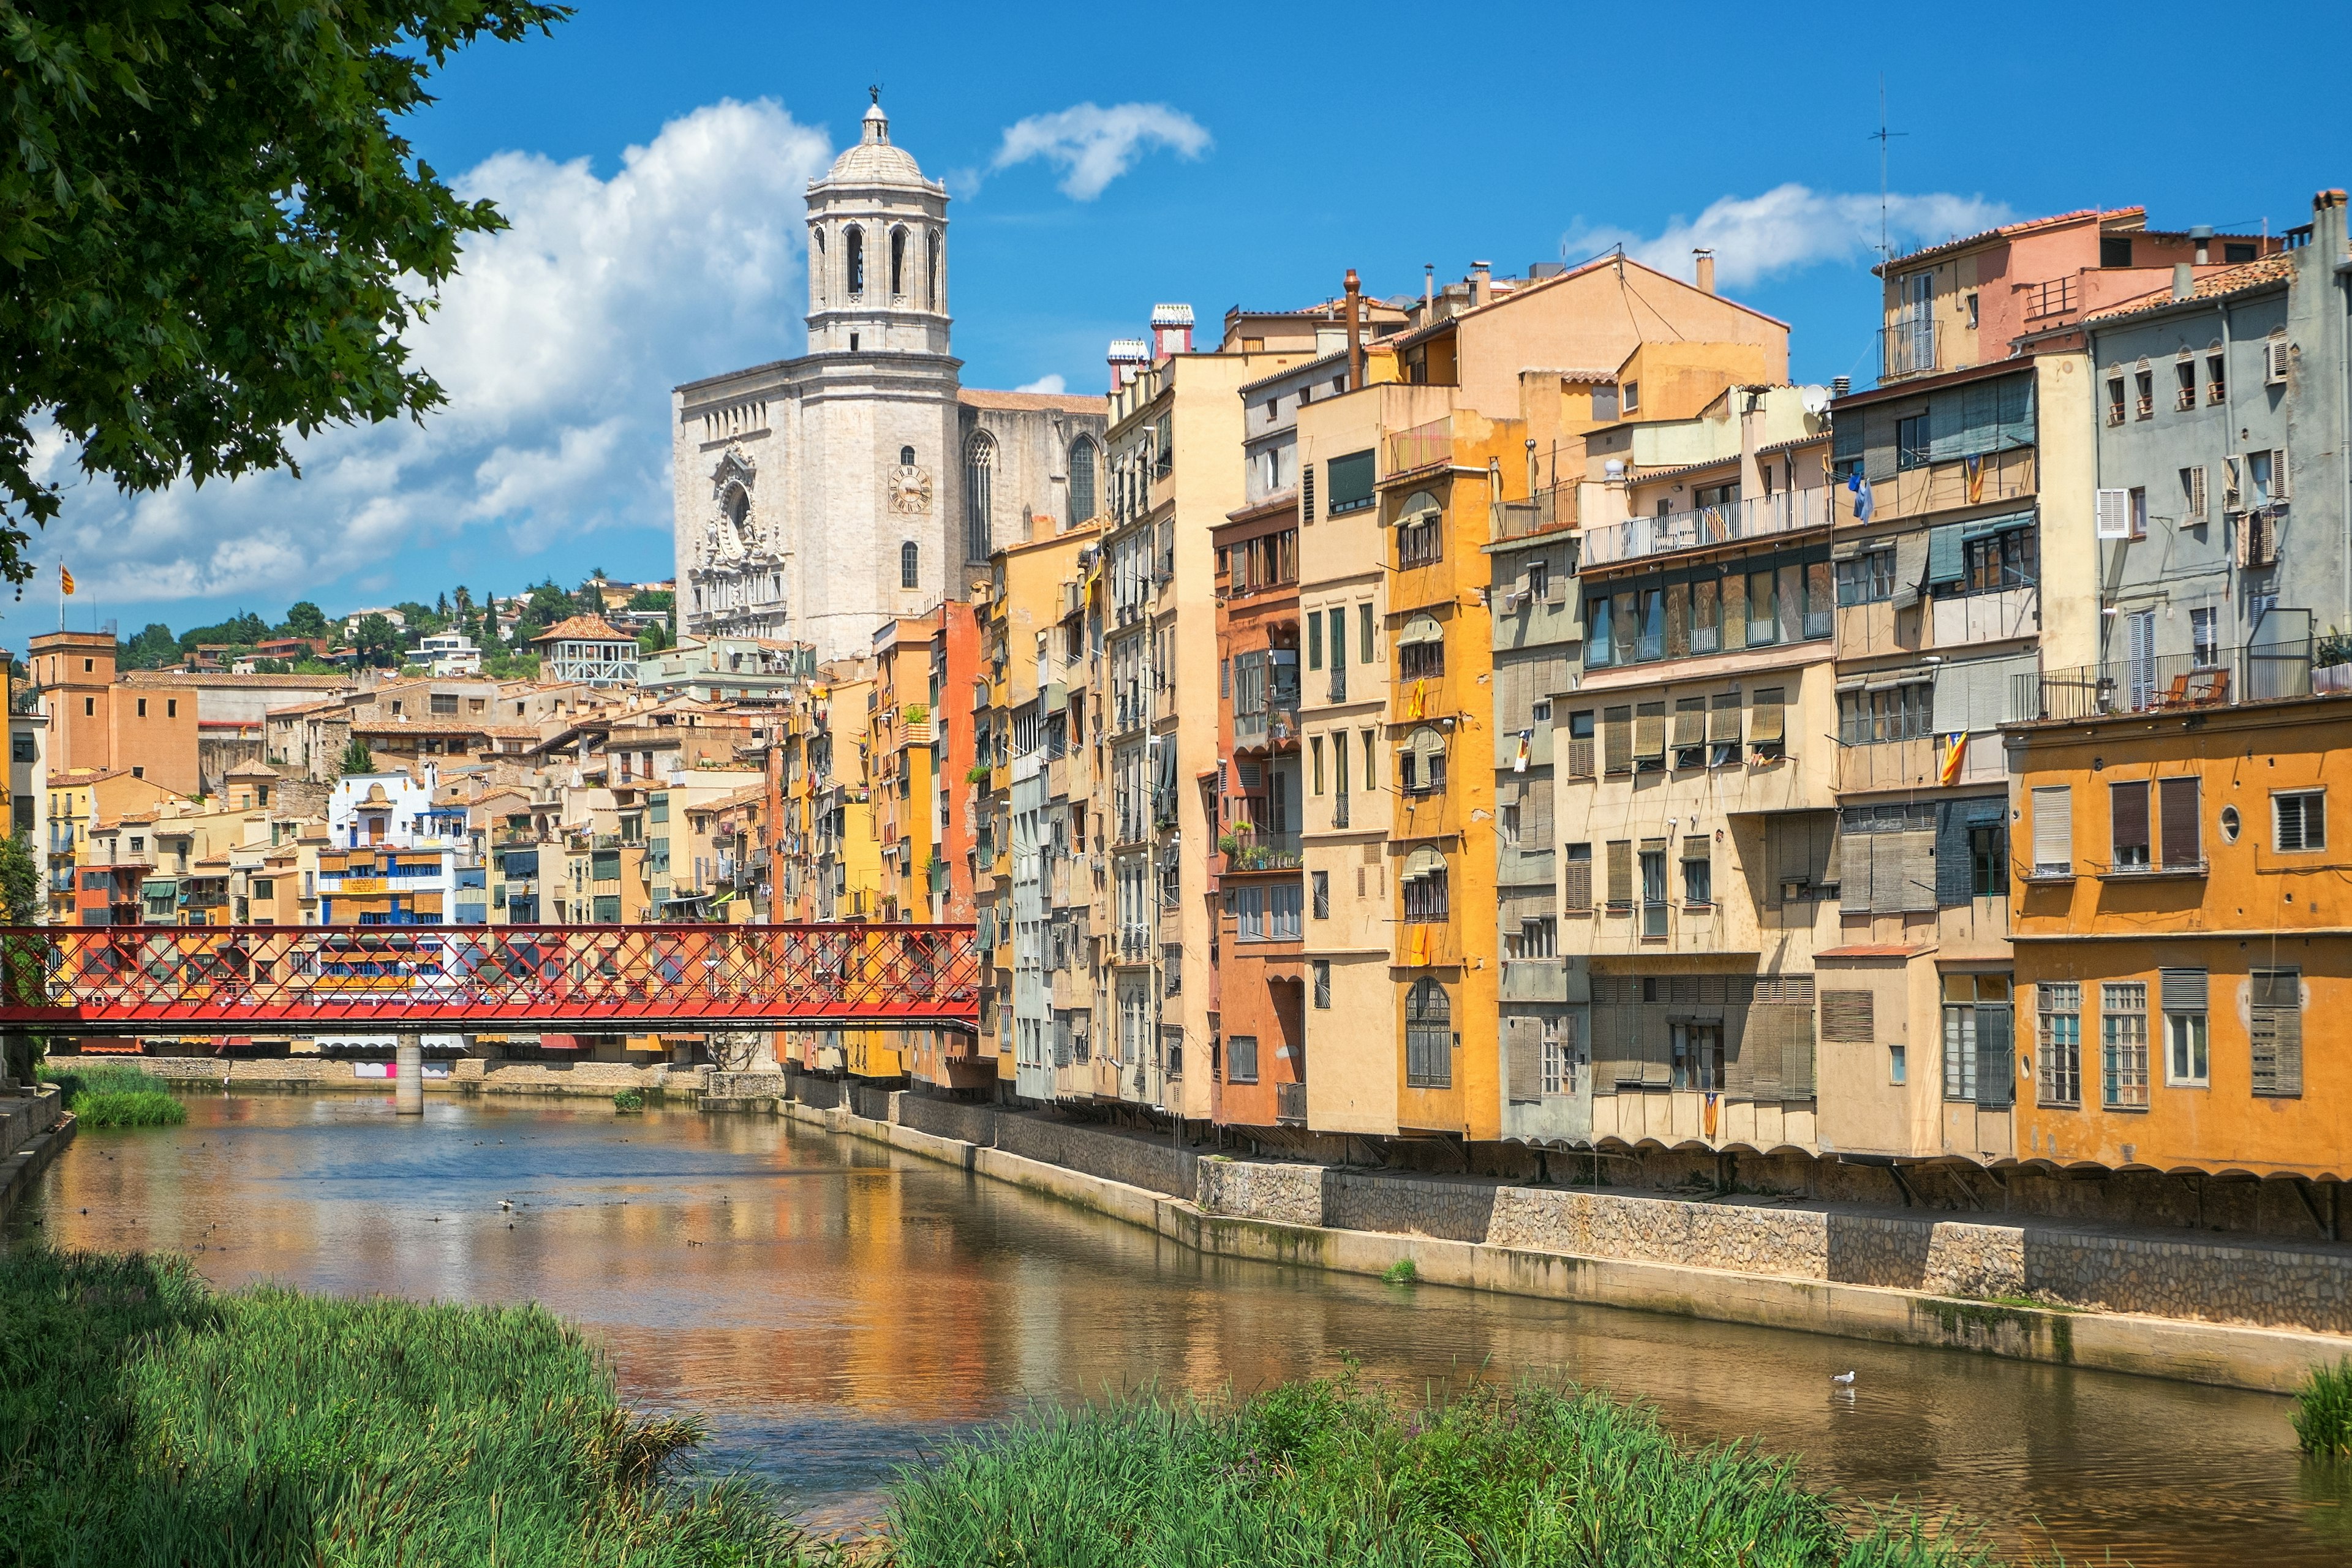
(1171, 331)
(2203, 235)
(2328, 227)
(1124, 355)
(1428, 291)
(1706, 270)
(1840, 386)
(2184, 280)
(1481, 272)
(1355, 333)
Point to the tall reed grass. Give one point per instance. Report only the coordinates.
(2322, 1411)
(1332, 1475)
(144, 1418)
(111, 1096)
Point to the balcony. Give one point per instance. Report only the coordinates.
(1910, 346)
(1273, 724)
(1758, 517)
(1545, 510)
(1253, 849)
(1290, 1104)
(1420, 447)
(2174, 683)
(1535, 980)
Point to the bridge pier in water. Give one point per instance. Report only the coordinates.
(408, 1087)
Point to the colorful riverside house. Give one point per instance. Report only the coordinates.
(901, 749)
(2180, 930)
(393, 857)
(1258, 978)
(1697, 810)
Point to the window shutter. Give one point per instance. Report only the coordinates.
(1919, 869)
(1723, 718)
(2054, 830)
(1536, 817)
(1910, 567)
(2278, 473)
(1855, 856)
(1763, 1042)
(1657, 1046)
(1955, 876)
(1996, 1064)
(1767, 720)
(2128, 808)
(1690, 722)
(1649, 731)
(1620, 876)
(1887, 873)
(2233, 484)
(2115, 514)
(2184, 990)
(1796, 1053)
(1523, 1039)
(1617, 739)
(1307, 492)
(1945, 562)
(2275, 1032)
(2196, 488)
(1575, 885)
(2179, 815)
(1849, 1017)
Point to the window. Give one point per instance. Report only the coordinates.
(1902, 712)
(2217, 377)
(1424, 888)
(1082, 481)
(1763, 608)
(1865, 579)
(1351, 486)
(2143, 392)
(2137, 505)
(910, 565)
(607, 909)
(2299, 822)
(1697, 1056)
(2184, 376)
(1898, 1070)
(2114, 250)
(2128, 814)
(1690, 733)
(1558, 1055)
(2054, 830)
(20, 747)
(1973, 312)
(1911, 442)
(1366, 648)
(1580, 744)
(1536, 936)
(1421, 540)
(1604, 404)
(1241, 1059)
(1322, 895)
(1649, 737)
(1322, 969)
(2123, 1045)
(445, 704)
(1989, 860)
(2058, 1061)
(1977, 1039)
(905, 457)
(978, 470)
(2114, 398)
(1631, 400)
(1314, 640)
(2179, 819)
(856, 251)
(897, 261)
(90, 707)
(2260, 471)
(1698, 872)
(932, 270)
(2183, 993)
(1421, 649)
(1653, 888)
(2205, 636)
(1428, 1036)
(2275, 1031)
(1722, 729)
(1576, 880)
(143, 708)
(1767, 724)
(1421, 763)
(1283, 900)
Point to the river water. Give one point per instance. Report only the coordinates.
(831, 1307)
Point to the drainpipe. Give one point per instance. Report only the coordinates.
(1355, 334)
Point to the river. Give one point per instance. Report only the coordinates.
(831, 1307)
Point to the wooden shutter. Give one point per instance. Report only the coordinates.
(1575, 885)
(2128, 804)
(1523, 1042)
(1535, 827)
(1797, 1054)
(2113, 514)
(1919, 863)
(1855, 857)
(1617, 739)
(1723, 718)
(1580, 759)
(1699, 848)
(1620, 876)
(1887, 867)
(1649, 731)
(2278, 473)
(1767, 718)
(2275, 1031)
(2183, 990)
(1849, 1017)
(1657, 1045)
(1910, 567)
(1955, 875)
(2053, 829)
(2179, 817)
(2196, 488)
(1690, 722)
(2233, 491)
(1763, 1041)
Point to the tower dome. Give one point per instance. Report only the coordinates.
(877, 250)
(874, 161)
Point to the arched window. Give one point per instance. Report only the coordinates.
(816, 268)
(1421, 763)
(905, 457)
(738, 506)
(910, 566)
(1421, 648)
(1424, 888)
(898, 263)
(931, 272)
(1428, 1036)
(1082, 481)
(979, 466)
(856, 251)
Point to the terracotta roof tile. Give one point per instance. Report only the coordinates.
(584, 628)
(2275, 269)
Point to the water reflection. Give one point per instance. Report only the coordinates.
(834, 1306)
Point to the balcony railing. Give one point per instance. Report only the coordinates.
(1756, 517)
(1421, 445)
(1545, 508)
(1257, 851)
(1909, 347)
(2171, 683)
(1290, 1103)
(1276, 721)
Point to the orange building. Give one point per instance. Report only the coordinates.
(98, 726)
(2178, 937)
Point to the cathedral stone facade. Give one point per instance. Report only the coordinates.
(817, 497)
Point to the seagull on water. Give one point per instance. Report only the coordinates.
(1843, 1379)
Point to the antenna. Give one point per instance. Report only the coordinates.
(1882, 136)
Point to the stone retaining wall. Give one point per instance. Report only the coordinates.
(1138, 1162)
(824, 1093)
(24, 1116)
(974, 1125)
(1292, 1194)
(743, 1086)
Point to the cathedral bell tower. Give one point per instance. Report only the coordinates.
(877, 250)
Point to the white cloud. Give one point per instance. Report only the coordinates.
(1045, 384)
(1792, 226)
(557, 343)
(1093, 145)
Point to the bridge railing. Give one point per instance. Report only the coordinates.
(281, 979)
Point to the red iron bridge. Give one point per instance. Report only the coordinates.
(265, 981)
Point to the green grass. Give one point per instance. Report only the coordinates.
(629, 1100)
(2322, 1411)
(144, 1418)
(1404, 1271)
(1331, 1475)
(111, 1096)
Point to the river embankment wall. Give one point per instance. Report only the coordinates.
(2247, 1314)
(34, 1127)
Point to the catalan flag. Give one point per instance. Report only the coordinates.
(1956, 752)
(65, 579)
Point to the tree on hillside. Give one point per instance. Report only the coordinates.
(378, 642)
(660, 599)
(151, 650)
(20, 881)
(305, 619)
(241, 630)
(211, 233)
(356, 758)
(546, 604)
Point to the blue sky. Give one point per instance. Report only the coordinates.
(1252, 154)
